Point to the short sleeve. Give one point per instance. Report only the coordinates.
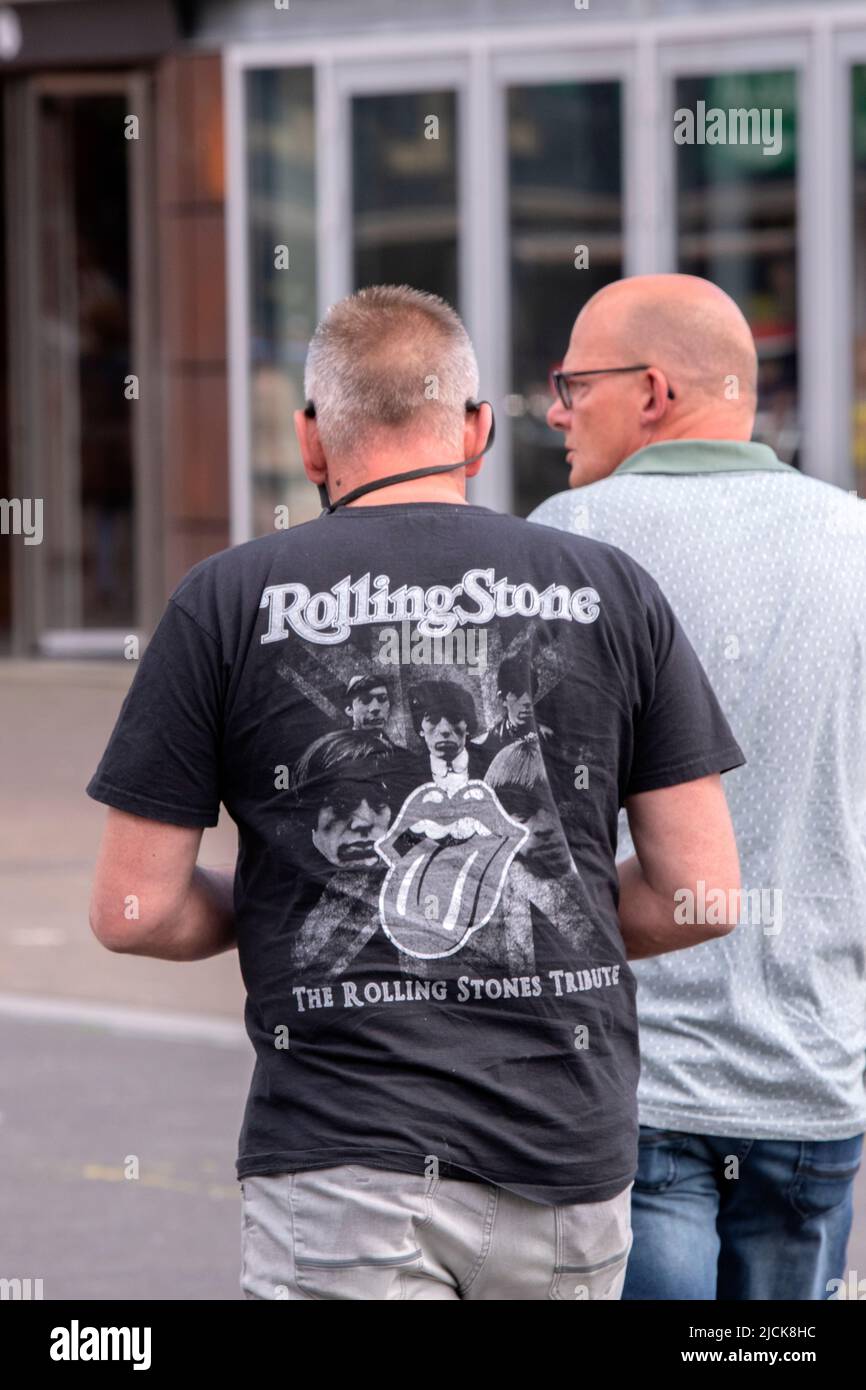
(681, 732)
(163, 758)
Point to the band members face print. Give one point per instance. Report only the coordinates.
(350, 823)
(415, 835)
(368, 704)
(444, 719)
(517, 691)
(443, 715)
(518, 777)
(343, 798)
(516, 688)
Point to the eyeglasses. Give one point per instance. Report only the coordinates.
(559, 381)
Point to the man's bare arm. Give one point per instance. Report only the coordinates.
(150, 898)
(682, 835)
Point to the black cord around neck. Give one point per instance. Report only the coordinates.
(329, 507)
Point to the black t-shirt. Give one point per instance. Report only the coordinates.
(424, 719)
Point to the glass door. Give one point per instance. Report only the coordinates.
(403, 157)
(732, 125)
(352, 176)
(496, 182)
(85, 387)
(736, 221)
(563, 212)
(565, 241)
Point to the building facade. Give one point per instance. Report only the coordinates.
(188, 186)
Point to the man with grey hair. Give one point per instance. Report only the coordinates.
(384, 359)
(753, 1050)
(467, 1128)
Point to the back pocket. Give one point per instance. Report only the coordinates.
(824, 1175)
(658, 1158)
(355, 1231)
(593, 1240)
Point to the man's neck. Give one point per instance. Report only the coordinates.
(449, 488)
(702, 427)
(419, 490)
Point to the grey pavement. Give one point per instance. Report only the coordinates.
(81, 1106)
(55, 718)
(77, 1098)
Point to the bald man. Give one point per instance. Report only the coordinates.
(751, 1097)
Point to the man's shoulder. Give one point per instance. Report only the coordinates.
(815, 493)
(557, 533)
(238, 565)
(794, 498)
(564, 513)
(217, 591)
(564, 510)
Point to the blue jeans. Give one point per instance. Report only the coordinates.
(773, 1224)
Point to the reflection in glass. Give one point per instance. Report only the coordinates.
(84, 339)
(858, 144)
(564, 158)
(404, 163)
(282, 228)
(737, 226)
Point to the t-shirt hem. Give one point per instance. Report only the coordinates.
(723, 761)
(745, 1127)
(103, 791)
(287, 1161)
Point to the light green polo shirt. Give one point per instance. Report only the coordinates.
(679, 456)
(762, 1033)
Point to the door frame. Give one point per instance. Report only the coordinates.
(848, 51)
(822, 411)
(31, 628)
(538, 66)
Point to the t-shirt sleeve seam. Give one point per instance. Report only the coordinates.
(721, 760)
(101, 790)
(177, 604)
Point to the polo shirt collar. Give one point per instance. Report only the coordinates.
(704, 456)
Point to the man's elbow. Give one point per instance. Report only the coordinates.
(710, 907)
(119, 933)
(109, 933)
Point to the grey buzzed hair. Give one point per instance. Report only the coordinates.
(386, 357)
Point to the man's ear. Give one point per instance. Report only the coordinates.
(475, 433)
(312, 453)
(656, 397)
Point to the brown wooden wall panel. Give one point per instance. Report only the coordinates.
(191, 216)
(185, 549)
(192, 110)
(196, 418)
(179, 306)
(193, 250)
(210, 283)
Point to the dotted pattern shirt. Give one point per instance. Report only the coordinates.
(763, 1032)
